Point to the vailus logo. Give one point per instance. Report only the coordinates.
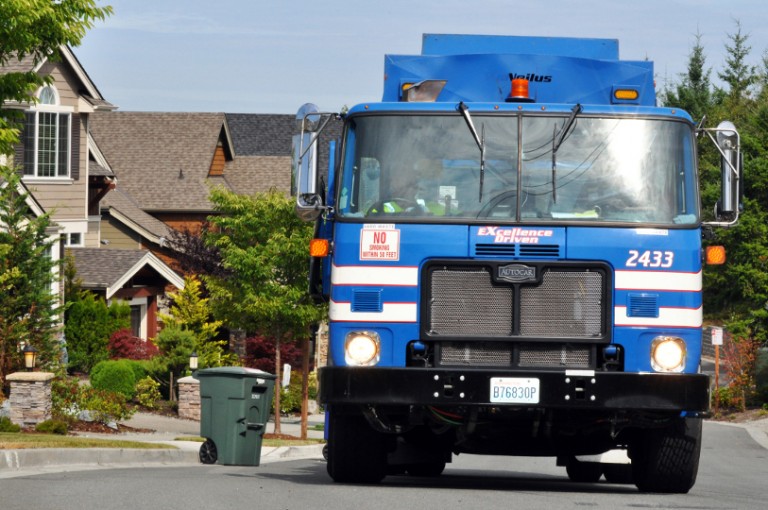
(532, 77)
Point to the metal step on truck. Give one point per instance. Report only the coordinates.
(510, 245)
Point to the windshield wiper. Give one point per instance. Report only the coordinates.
(557, 141)
(479, 140)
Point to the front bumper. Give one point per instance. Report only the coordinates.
(566, 389)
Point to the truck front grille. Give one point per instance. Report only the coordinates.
(526, 355)
(565, 302)
(464, 303)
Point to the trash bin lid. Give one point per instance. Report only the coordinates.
(242, 372)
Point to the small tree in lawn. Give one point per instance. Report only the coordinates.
(191, 312)
(265, 247)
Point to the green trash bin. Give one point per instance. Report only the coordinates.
(234, 410)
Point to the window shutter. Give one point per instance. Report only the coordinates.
(75, 158)
(27, 157)
(18, 156)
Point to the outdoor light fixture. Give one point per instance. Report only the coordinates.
(30, 357)
(193, 361)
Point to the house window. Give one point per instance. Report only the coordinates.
(47, 138)
(136, 320)
(139, 317)
(73, 239)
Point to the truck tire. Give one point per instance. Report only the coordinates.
(618, 473)
(356, 452)
(667, 460)
(583, 472)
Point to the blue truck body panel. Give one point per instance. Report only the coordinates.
(514, 266)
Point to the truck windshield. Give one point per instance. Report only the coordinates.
(426, 168)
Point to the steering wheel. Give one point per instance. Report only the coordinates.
(405, 203)
(499, 200)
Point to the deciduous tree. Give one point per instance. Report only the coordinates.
(265, 246)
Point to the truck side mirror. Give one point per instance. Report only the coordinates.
(304, 163)
(730, 167)
(728, 144)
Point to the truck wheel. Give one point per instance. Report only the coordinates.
(428, 469)
(208, 453)
(618, 473)
(583, 472)
(667, 460)
(356, 452)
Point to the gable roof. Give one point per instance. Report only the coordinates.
(88, 90)
(34, 206)
(123, 209)
(162, 160)
(261, 134)
(111, 270)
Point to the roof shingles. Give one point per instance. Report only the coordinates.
(161, 160)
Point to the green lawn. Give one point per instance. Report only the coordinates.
(21, 440)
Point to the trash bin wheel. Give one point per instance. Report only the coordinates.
(208, 453)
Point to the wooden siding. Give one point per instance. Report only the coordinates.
(115, 235)
(66, 200)
(92, 237)
(219, 160)
(183, 221)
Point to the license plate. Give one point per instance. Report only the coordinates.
(514, 390)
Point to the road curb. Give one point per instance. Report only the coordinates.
(16, 462)
(46, 458)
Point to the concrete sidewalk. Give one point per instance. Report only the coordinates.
(167, 431)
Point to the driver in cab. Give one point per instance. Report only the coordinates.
(416, 192)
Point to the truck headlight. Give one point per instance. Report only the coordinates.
(668, 354)
(362, 348)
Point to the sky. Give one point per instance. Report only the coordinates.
(272, 56)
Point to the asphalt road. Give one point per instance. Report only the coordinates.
(733, 474)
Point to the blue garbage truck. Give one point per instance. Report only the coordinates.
(511, 248)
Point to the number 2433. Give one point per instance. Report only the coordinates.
(650, 258)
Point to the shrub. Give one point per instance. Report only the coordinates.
(761, 376)
(69, 398)
(290, 397)
(740, 357)
(65, 392)
(260, 353)
(725, 397)
(123, 345)
(115, 376)
(106, 406)
(148, 392)
(88, 325)
(52, 427)
(7, 426)
(138, 367)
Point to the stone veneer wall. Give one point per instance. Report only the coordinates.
(189, 398)
(30, 397)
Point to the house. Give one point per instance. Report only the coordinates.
(166, 164)
(131, 276)
(62, 167)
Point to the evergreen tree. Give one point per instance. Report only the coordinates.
(90, 322)
(694, 92)
(737, 292)
(192, 312)
(28, 307)
(738, 75)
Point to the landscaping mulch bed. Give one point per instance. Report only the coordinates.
(100, 428)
